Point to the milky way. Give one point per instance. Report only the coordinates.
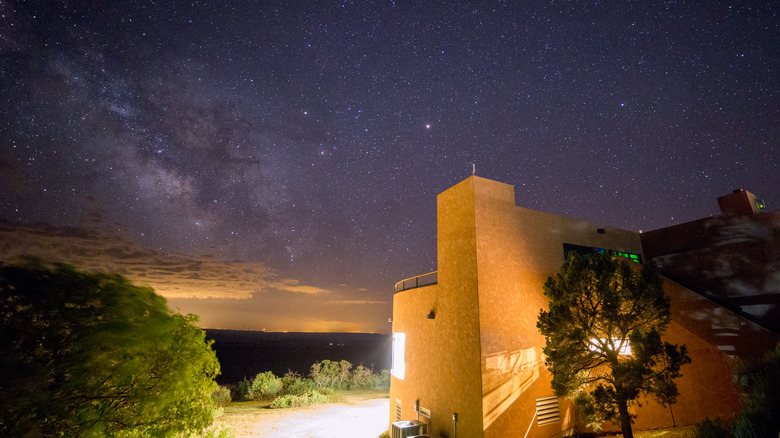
(313, 137)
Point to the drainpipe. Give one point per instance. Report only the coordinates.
(531, 425)
(455, 425)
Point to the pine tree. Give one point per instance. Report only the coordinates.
(603, 337)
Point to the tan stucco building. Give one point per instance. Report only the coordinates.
(467, 354)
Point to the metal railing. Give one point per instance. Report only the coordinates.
(418, 281)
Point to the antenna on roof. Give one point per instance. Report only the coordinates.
(473, 169)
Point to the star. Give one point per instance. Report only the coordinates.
(288, 135)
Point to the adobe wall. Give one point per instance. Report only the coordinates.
(706, 386)
(517, 249)
(442, 354)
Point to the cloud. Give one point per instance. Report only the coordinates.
(294, 286)
(225, 294)
(171, 275)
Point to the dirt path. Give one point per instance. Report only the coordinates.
(360, 419)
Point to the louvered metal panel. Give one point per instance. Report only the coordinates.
(547, 410)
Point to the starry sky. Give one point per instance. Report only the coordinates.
(280, 161)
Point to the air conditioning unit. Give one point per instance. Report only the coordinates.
(408, 429)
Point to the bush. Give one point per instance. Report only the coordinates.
(264, 386)
(361, 378)
(331, 374)
(293, 384)
(761, 402)
(216, 431)
(715, 428)
(240, 391)
(294, 401)
(284, 401)
(221, 396)
(381, 380)
(327, 392)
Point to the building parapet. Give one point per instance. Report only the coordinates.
(417, 281)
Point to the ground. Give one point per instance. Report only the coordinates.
(672, 432)
(362, 414)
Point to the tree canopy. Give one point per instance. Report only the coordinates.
(603, 337)
(93, 355)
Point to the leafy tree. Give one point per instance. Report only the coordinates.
(93, 355)
(599, 307)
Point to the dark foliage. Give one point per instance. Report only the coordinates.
(93, 355)
(760, 403)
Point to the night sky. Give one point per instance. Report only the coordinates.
(295, 149)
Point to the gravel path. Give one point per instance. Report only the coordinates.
(362, 419)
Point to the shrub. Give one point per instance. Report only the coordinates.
(761, 402)
(381, 380)
(240, 391)
(293, 384)
(327, 392)
(294, 401)
(283, 401)
(221, 395)
(361, 378)
(265, 385)
(715, 428)
(320, 397)
(331, 374)
(217, 431)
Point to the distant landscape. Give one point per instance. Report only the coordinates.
(243, 354)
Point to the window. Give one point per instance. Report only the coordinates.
(586, 251)
(399, 362)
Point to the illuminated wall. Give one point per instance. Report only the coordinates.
(442, 353)
(517, 249)
(471, 342)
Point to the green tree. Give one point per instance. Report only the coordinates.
(331, 374)
(93, 355)
(603, 337)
